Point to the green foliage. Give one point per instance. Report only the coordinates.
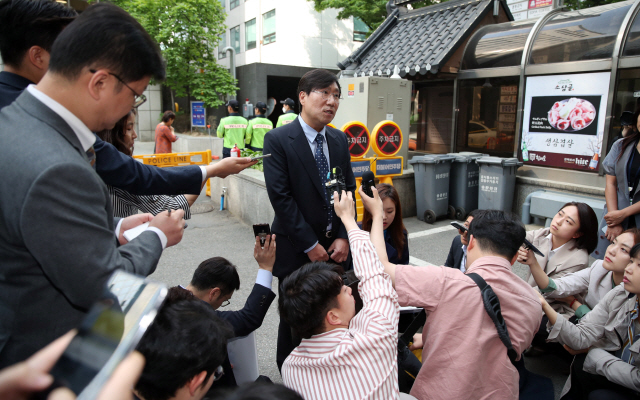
(188, 32)
(371, 12)
(250, 153)
(580, 4)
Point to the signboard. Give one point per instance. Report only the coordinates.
(391, 166)
(357, 138)
(198, 115)
(360, 167)
(563, 121)
(522, 6)
(540, 3)
(518, 16)
(538, 12)
(386, 138)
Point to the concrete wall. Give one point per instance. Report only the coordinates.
(304, 37)
(187, 143)
(149, 114)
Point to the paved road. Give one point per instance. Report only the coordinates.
(218, 233)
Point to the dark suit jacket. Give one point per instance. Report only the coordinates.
(392, 252)
(115, 168)
(244, 322)
(455, 254)
(57, 242)
(296, 193)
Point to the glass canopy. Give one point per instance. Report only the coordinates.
(497, 45)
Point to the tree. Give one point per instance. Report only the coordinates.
(580, 4)
(188, 32)
(371, 12)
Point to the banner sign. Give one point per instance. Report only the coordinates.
(563, 121)
(539, 3)
(388, 166)
(198, 114)
(360, 167)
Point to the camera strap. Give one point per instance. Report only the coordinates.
(492, 307)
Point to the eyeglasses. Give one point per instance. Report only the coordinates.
(217, 374)
(139, 99)
(326, 95)
(225, 303)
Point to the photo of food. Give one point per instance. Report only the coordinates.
(571, 114)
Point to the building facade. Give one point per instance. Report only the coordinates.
(277, 42)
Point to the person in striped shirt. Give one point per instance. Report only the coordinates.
(122, 136)
(343, 355)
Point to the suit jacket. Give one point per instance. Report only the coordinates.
(244, 322)
(115, 168)
(564, 262)
(297, 195)
(455, 254)
(57, 242)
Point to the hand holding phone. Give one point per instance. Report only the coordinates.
(529, 245)
(262, 231)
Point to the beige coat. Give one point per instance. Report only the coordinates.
(565, 261)
(604, 327)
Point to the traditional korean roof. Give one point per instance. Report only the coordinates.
(419, 41)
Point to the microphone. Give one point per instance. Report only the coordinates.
(368, 181)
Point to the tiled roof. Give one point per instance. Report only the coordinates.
(419, 41)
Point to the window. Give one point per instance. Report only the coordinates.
(360, 30)
(233, 4)
(235, 38)
(222, 45)
(222, 4)
(487, 115)
(269, 27)
(250, 34)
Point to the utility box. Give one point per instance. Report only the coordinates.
(371, 99)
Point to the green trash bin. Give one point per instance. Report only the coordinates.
(463, 184)
(497, 182)
(431, 174)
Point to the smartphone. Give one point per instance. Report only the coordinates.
(262, 231)
(260, 157)
(459, 226)
(530, 245)
(133, 233)
(368, 181)
(110, 331)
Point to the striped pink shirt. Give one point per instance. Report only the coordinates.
(359, 362)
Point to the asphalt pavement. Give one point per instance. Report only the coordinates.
(218, 233)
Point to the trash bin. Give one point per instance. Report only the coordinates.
(497, 182)
(463, 184)
(431, 174)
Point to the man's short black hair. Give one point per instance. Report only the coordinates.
(497, 232)
(105, 36)
(185, 339)
(317, 79)
(307, 295)
(216, 272)
(28, 23)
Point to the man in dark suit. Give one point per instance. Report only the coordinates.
(457, 257)
(214, 282)
(57, 232)
(27, 31)
(303, 152)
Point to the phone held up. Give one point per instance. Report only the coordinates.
(110, 331)
(262, 231)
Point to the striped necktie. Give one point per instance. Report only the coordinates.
(91, 155)
(323, 169)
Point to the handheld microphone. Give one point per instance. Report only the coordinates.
(368, 181)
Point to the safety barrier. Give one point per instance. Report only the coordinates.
(177, 160)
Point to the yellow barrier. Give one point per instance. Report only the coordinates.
(177, 160)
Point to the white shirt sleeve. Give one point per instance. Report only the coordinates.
(264, 278)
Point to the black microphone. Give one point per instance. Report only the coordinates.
(368, 181)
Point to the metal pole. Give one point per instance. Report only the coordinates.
(232, 66)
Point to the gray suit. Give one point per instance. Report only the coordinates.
(57, 242)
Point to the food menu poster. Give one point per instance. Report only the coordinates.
(563, 120)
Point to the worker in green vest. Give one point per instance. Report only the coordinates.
(289, 115)
(257, 128)
(232, 129)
